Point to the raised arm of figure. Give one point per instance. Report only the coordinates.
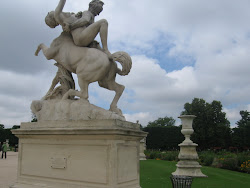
(58, 11)
(81, 22)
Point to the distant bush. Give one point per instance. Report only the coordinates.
(243, 157)
(228, 163)
(165, 155)
(151, 154)
(163, 138)
(206, 158)
(170, 155)
(245, 166)
(223, 159)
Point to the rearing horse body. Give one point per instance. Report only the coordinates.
(90, 65)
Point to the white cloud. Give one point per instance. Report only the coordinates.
(210, 39)
(17, 92)
(143, 118)
(233, 114)
(185, 79)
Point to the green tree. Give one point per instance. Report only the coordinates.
(211, 127)
(163, 134)
(15, 126)
(241, 133)
(163, 138)
(7, 134)
(162, 122)
(2, 135)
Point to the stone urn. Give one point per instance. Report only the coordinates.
(188, 158)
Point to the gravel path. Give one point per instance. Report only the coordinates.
(8, 169)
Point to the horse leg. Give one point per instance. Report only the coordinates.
(113, 86)
(84, 86)
(71, 92)
(39, 47)
(49, 53)
(83, 94)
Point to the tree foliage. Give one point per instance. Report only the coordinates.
(211, 127)
(15, 126)
(7, 134)
(241, 133)
(2, 135)
(162, 122)
(163, 137)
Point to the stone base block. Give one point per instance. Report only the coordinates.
(188, 161)
(143, 157)
(82, 154)
(75, 110)
(188, 168)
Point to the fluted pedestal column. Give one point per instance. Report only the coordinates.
(188, 164)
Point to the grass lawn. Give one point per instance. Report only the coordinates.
(155, 174)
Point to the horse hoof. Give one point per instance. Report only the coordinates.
(36, 53)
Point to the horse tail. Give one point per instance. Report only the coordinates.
(125, 60)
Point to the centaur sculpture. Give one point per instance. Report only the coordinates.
(74, 51)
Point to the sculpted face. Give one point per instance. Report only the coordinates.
(50, 20)
(96, 7)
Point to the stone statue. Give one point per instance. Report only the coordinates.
(81, 26)
(76, 51)
(75, 134)
(64, 77)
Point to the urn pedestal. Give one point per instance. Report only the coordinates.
(142, 149)
(188, 158)
(79, 154)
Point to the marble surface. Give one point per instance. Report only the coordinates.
(72, 110)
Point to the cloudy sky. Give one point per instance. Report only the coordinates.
(180, 49)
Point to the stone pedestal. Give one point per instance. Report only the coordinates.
(142, 149)
(188, 164)
(78, 154)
